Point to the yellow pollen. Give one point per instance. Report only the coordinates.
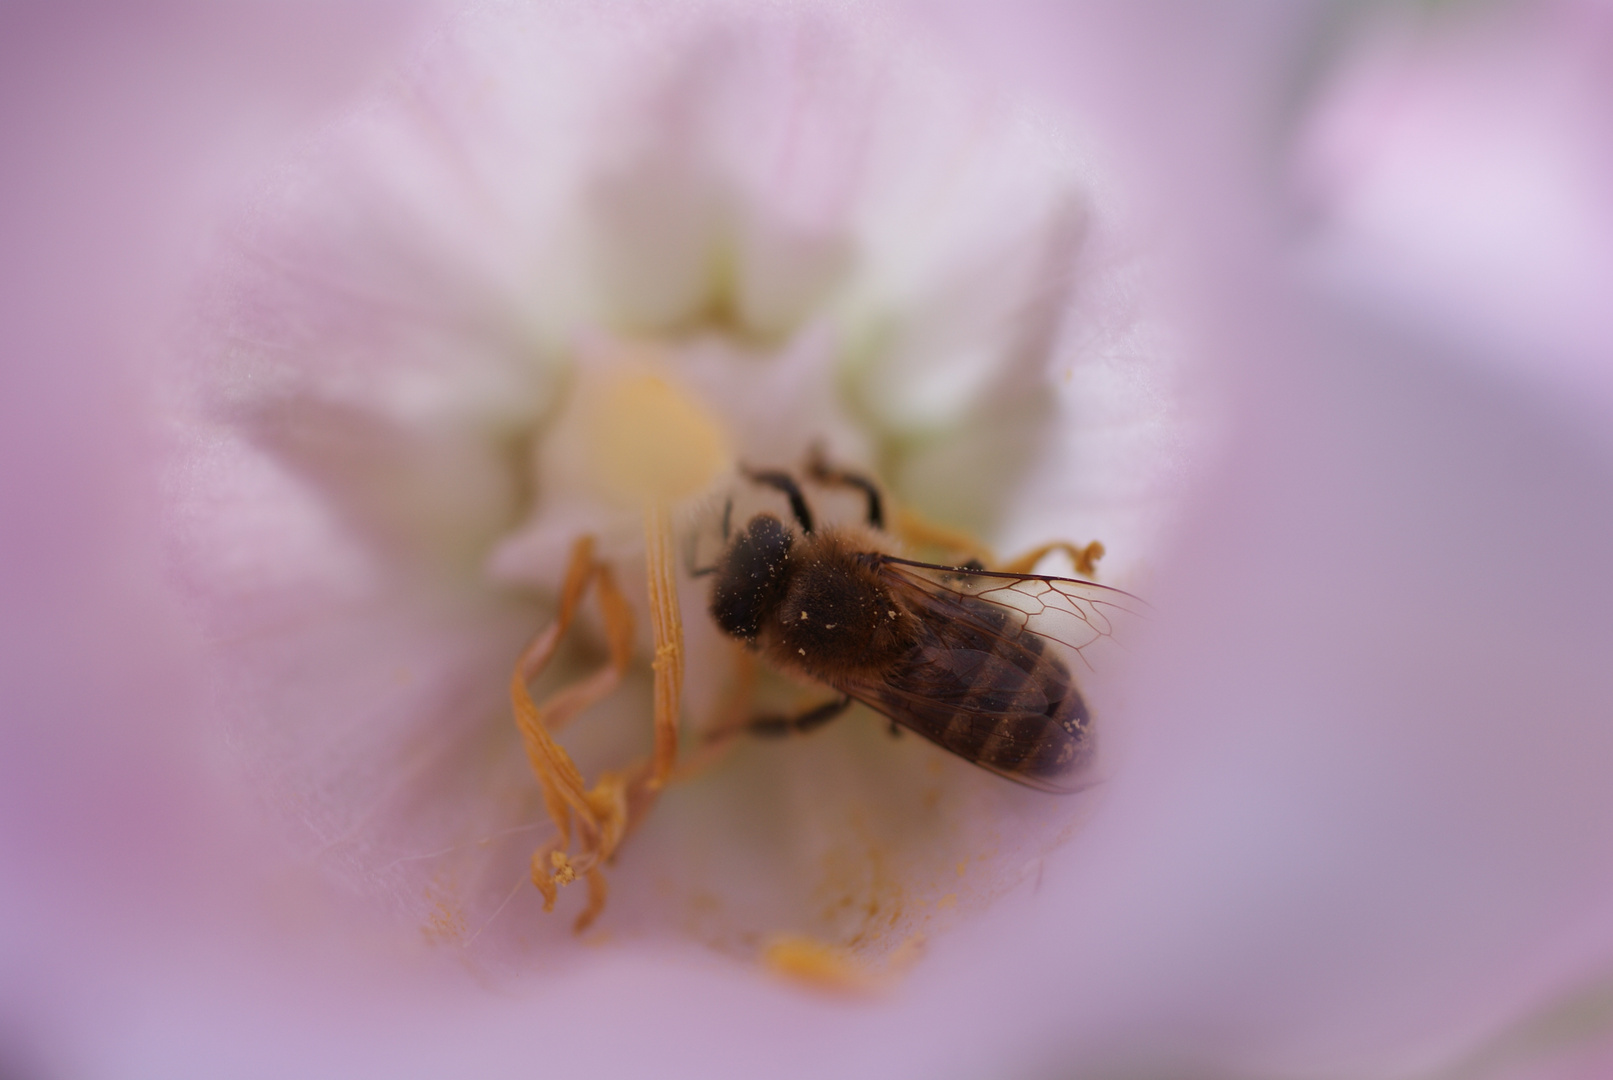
(815, 964)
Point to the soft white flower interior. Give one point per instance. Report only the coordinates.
(393, 411)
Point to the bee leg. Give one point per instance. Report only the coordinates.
(819, 469)
(774, 726)
(782, 481)
(1085, 558)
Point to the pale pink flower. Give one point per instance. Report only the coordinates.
(1457, 168)
(398, 406)
(1355, 817)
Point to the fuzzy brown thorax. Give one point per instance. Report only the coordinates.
(836, 617)
(813, 604)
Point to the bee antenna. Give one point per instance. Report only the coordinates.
(819, 469)
(782, 481)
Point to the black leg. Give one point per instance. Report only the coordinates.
(773, 726)
(821, 471)
(785, 483)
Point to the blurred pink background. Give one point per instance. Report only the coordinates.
(1365, 827)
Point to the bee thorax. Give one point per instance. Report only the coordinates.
(835, 618)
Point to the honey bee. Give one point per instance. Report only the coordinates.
(976, 661)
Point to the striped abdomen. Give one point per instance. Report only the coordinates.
(978, 685)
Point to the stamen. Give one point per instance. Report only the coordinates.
(563, 787)
(602, 812)
(918, 531)
(666, 623)
(606, 812)
(598, 892)
(545, 883)
(1085, 559)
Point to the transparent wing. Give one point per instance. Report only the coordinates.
(1086, 618)
(992, 676)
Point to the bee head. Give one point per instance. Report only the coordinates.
(751, 577)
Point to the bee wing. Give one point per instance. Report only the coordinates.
(1084, 618)
(977, 681)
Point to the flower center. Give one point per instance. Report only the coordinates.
(419, 434)
(650, 441)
